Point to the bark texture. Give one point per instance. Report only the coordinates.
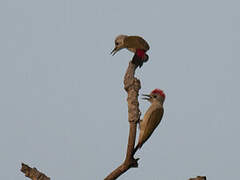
(199, 178)
(132, 86)
(33, 173)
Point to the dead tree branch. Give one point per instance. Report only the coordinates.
(132, 86)
(33, 173)
(199, 178)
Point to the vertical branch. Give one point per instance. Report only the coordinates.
(132, 86)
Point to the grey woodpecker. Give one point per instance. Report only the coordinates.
(152, 117)
(135, 44)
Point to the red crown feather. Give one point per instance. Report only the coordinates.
(159, 91)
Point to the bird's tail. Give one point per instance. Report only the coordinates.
(137, 60)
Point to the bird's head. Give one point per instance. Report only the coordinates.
(119, 44)
(157, 95)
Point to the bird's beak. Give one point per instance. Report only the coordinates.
(147, 97)
(114, 51)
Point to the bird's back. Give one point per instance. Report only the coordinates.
(150, 121)
(136, 42)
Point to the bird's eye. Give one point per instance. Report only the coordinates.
(154, 96)
(116, 43)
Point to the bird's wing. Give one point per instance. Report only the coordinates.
(136, 42)
(152, 123)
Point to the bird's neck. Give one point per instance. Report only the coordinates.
(157, 103)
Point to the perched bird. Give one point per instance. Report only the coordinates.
(135, 44)
(152, 117)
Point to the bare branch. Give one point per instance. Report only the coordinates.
(33, 173)
(132, 86)
(199, 178)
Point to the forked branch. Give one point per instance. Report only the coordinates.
(132, 86)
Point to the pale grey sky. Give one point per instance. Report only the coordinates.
(62, 103)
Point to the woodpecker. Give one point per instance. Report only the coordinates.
(135, 44)
(152, 117)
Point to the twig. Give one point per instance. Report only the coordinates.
(132, 86)
(33, 173)
(199, 178)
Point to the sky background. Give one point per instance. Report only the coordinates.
(62, 103)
